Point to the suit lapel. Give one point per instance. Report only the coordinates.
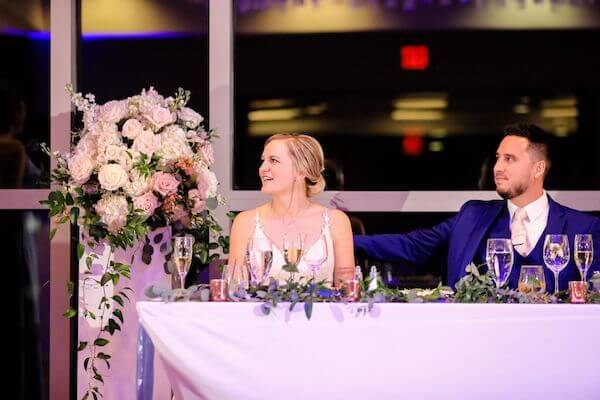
(556, 218)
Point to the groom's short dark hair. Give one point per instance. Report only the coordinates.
(539, 140)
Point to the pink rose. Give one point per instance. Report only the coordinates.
(146, 142)
(132, 128)
(160, 116)
(146, 202)
(197, 203)
(113, 111)
(207, 154)
(164, 183)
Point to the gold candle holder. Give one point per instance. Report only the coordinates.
(218, 290)
(353, 290)
(578, 291)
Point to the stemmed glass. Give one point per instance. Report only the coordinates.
(259, 257)
(317, 255)
(499, 257)
(182, 255)
(293, 249)
(556, 255)
(583, 253)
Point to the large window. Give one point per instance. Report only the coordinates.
(24, 93)
(156, 43)
(419, 105)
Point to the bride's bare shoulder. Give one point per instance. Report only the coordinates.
(338, 217)
(249, 215)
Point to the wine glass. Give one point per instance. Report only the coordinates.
(532, 279)
(499, 257)
(182, 255)
(556, 255)
(292, 249)
(259, 257)
(317, 255)
(583, 253)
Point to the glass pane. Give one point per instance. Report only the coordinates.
(24, 93)
(26, 252)
(156, 43)
(416, 106)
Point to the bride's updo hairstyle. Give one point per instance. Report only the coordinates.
(307, 155)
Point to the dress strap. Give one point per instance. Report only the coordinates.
(325, 219)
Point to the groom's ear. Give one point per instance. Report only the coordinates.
(540, 168)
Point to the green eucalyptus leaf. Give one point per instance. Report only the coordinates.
(101, 342)
(80, 250)
(70, 313)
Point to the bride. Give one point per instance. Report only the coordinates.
(291, 174)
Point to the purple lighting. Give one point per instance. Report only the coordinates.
(32, 35)
(139, 35)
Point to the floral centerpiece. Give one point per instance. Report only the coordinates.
(137, 164)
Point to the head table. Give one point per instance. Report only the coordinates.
(394, 351)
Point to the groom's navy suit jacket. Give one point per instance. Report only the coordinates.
(464, 234)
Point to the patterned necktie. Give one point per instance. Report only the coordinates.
(519, 232)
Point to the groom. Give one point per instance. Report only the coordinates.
(525, 215)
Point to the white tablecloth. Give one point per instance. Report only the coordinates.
(397, 351)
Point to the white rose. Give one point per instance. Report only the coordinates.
(138, 184)
(112, 152)
(132, 128)
(113, 211)
(80, 168)
(190, 117)
(112, 177)
(159, 117)
(146, 142)
(113, 111)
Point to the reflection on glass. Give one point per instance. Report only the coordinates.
(400, 113)
(24, 111)
(26, 251)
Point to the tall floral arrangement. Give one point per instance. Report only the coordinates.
(135, 165)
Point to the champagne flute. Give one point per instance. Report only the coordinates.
(583, 253)
(499, 257)
(182, 256)
(556, 255)
(317, 255)
(292, 249)
(532, 279)
(259, 257)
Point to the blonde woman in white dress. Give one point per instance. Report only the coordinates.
(291, 174)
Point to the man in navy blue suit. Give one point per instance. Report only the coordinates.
(525, 216)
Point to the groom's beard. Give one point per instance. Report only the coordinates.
(513, 192)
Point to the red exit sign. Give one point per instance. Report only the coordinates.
(414, 57)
